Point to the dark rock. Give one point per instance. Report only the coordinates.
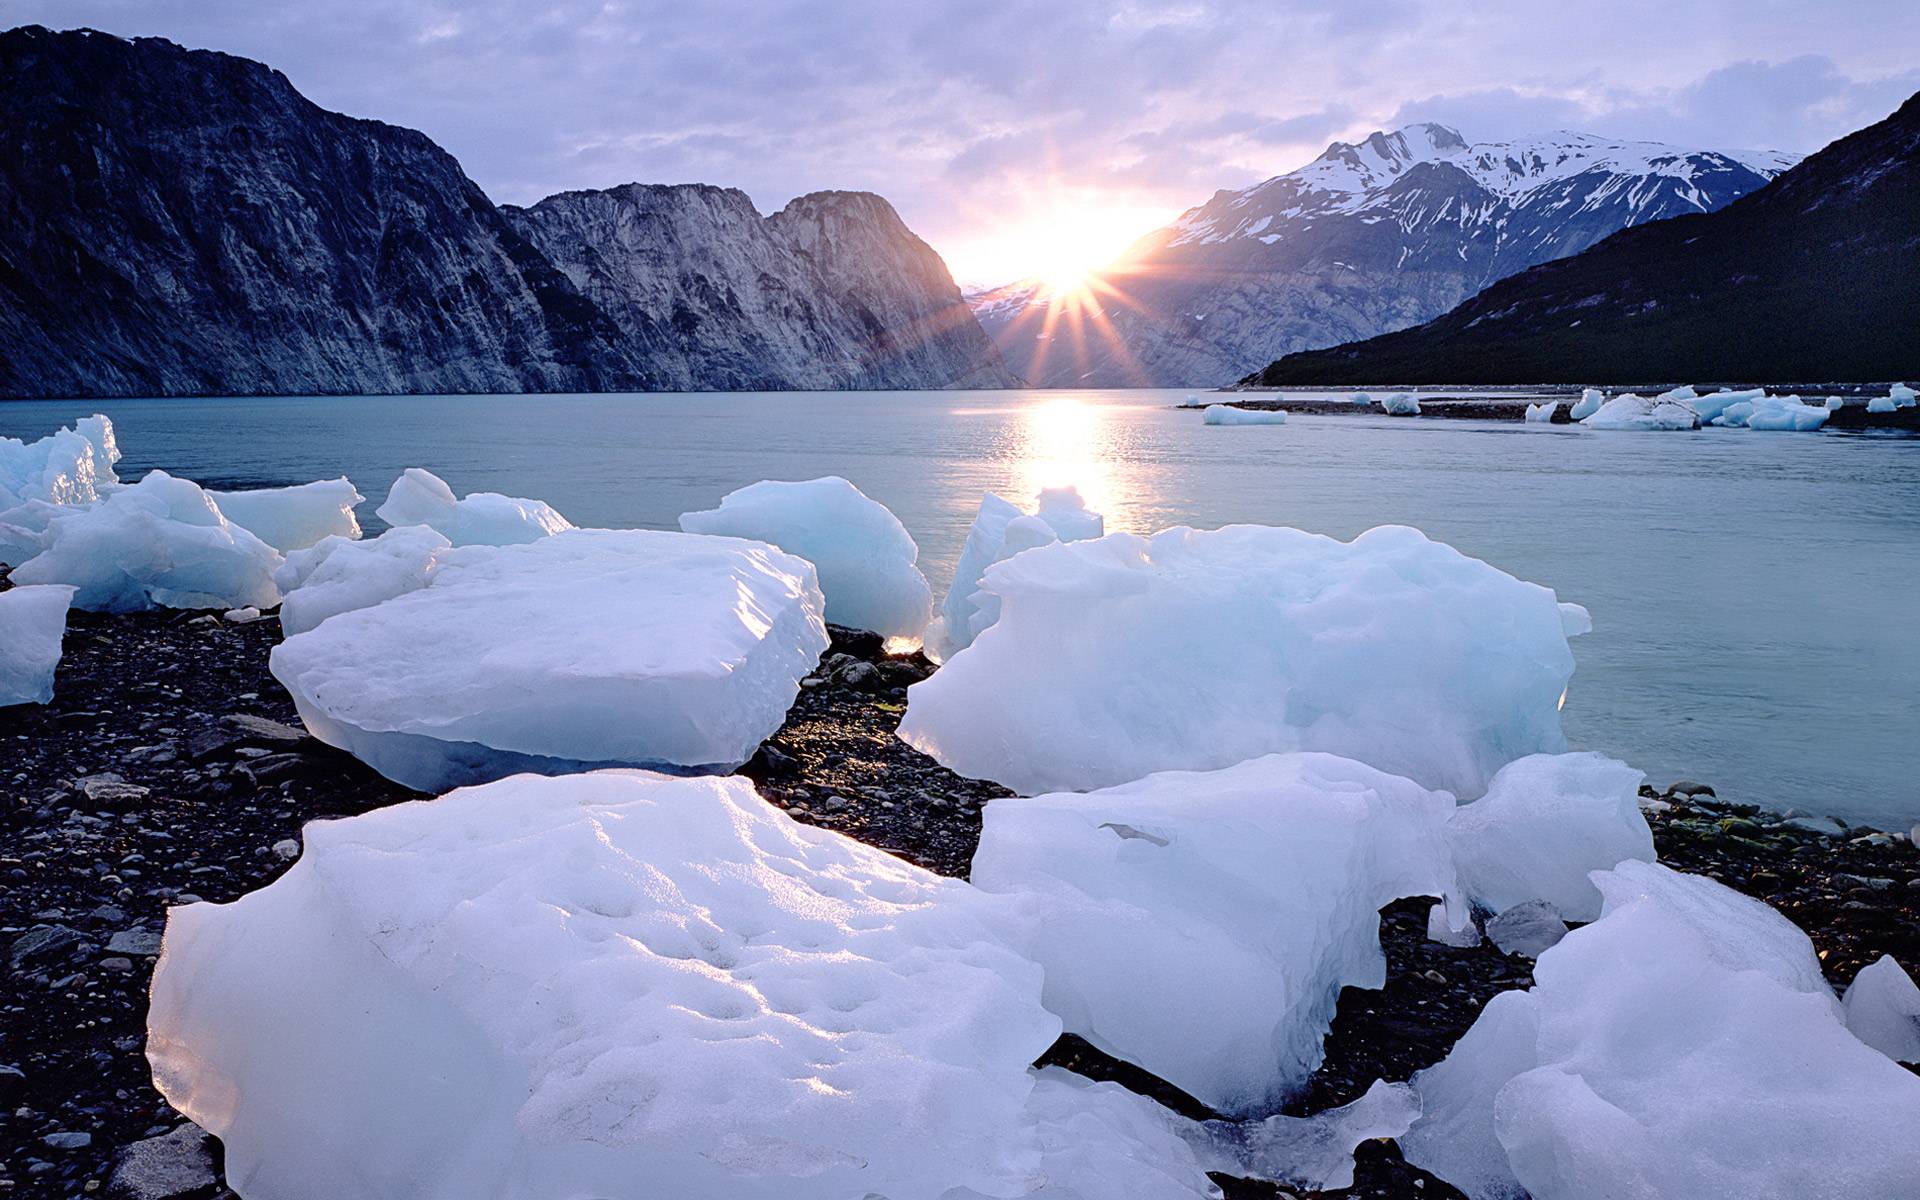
(141, 943)
(44, 943)
(13, 1084)
(174, 1166)
(260, 730)
(1687, 787)
(68, 1140)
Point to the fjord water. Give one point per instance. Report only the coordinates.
(1753, 594)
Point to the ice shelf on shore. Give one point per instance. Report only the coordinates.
(1883, 1009)
(1118, 657)
(628, 985)
(1000, 531)
(1684, 1044)
(339, 574)
(1546, 821)
(161, 542)
(1401, 404)
(1632, 412)
(1241, 899)
(419, 497)
(33, 623)
(864, 556)
(294, 518)
(589, 647)
(1542, 413)
(1227, 414)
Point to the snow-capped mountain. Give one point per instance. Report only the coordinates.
(1367, 238)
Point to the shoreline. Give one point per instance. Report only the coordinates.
(1514, 408)
(171, 765)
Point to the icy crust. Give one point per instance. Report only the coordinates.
(158, 543)
(621, 985)
(419, 497)
(1000, 531)
(1546, 821)
(592, 647)
(865, 557)
(1202, 924)
(339, 574)
(33, 622)
(1882, 1006)
(1227, 414)
(1390, 648)
(294, 518)
(1685, 1044)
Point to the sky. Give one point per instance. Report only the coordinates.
(1021, 138)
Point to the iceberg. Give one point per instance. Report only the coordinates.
(339, 574)
(1901, 395)
(1881, 404)
(1546, 822)
(1588, 404)
(1401, 404)
(1201, 924)
(1710, 407)
(618, 984)
(864, 556)
(1882, 1006)
(1670, 410)
(1000, 531)
(161, 542)
(33, 623)
(592, 647)
(294, 518)
(1189, 650)
(1775, 413)
(1684, 1044)
(1542, 413)
(1227, 414)
(419, 497)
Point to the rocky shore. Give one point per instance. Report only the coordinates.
(170, 766)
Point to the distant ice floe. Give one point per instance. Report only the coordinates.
(1628, 411)
(1898, 396)
(1401, 404)
(1589, 403)
(1227, 414)
(864, 556)
(1542, 413)
(33, 622)
(419, 497)
(1000, 531)
(1685, 408)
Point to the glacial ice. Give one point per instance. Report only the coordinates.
(293, 518)
(1628, 411)
(161, 542)
(864, 556)
(1546, 821)
(419, 497)
(1588, 404)
(1901, 395)
(1528, 929)
(1685, 1044)
(1201, 924)
(625, 985)
(1401, 404)
(1836, 403)
(590, 647)
(339, 574)
(1099, 1141)
(1881, 404)
(1000, 531)
(33, 622)
(1772, 413)
(65, 471)
(1126, 655)
(1314, 1153)
(1883, 1009)
(1227, 414)
(1542, 413)
(1711, 406)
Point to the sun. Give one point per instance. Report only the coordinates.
(1064, 275)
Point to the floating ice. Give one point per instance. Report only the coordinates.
(420, 497)
(865, 557)
(1116, 658)
(616, 984)
(1883, 1008)
(1401, 404)
(1202, 924)
(1712, 405)
(161, 542)
(339, 574)
(1628, 411)
(1881, 404)
(1588, 404)
(591, 647)
(1775, 413)
(1542, 413)
(1359, 398)
(1836, 403)
(33, 621)
(1227, 414)
(293, 518)
(999, 532)
(1901, 395)
(1685, 1044)
(1314, 1153)
(1546, 821)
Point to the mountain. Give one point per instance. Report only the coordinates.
(833, 291)
(184, 222)
(1366, 238)
(1810, 278)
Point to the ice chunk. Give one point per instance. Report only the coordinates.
(293, 518)
(420, 497)
(1240, 900)
(1709, 408)
(33, 621)
(1901, 395)
(1588, 404)
(865, 557)
(999, 532)
(1836, 403)
(591, 647)
(1359, 398)
(1401, 404)
(1881, 404)
(616, 984)
(1440, 929)
(1546, 821)
(1227, 414)
(1099, 1141)
(1684, 1044)
(73, 466)
(23, 528)
(1628, 411)
(1190, 650)
(1528, 929)
(161, 542)
(1315, 1153)
(1575, 620)
(1776, 413)
(1883, 1008)
(339, 574)
(1542, 413)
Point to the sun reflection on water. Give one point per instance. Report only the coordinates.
(1066, 442)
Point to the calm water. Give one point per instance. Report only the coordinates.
(1753, 594)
